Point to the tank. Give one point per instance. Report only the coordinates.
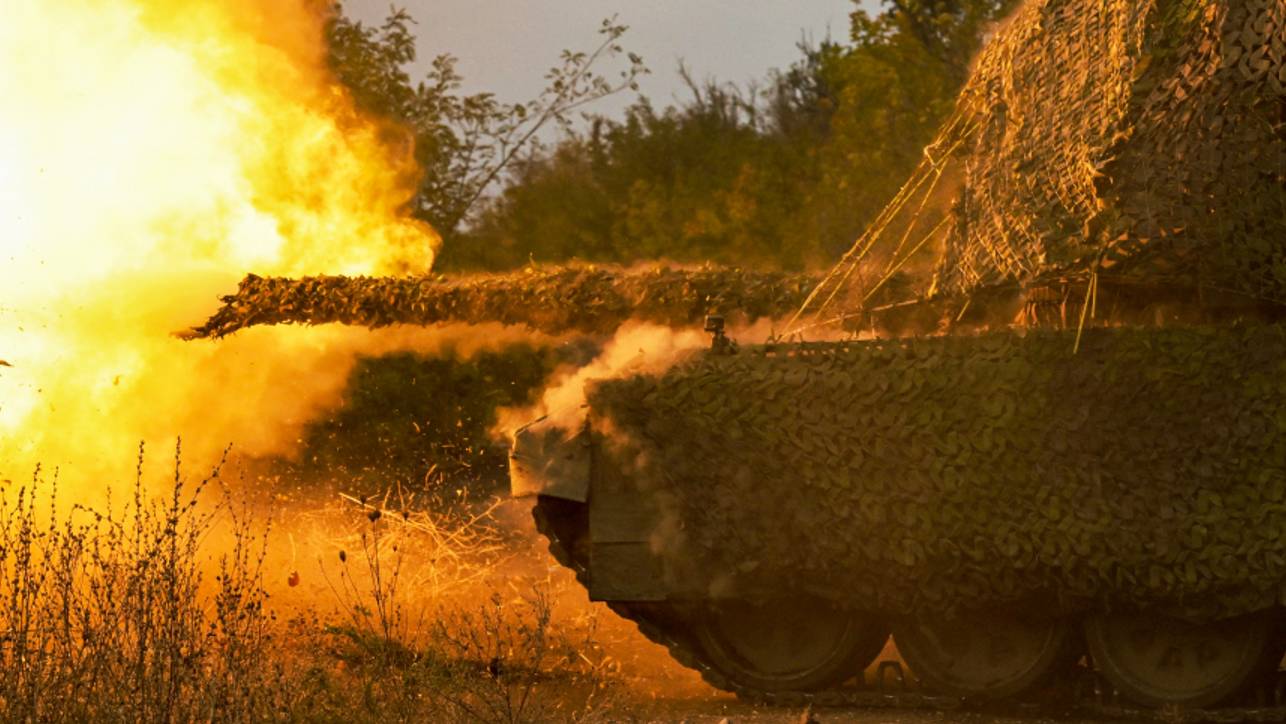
(1045, 447)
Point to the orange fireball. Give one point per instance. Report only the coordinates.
(151, 153)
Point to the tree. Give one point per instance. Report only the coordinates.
(465, 143)
(949, 31)
(785, 173)
(717, 177)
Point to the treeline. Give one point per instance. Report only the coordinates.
(785, 173)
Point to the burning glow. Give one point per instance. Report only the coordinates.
(151, 153)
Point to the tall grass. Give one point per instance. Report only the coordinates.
(103, 614)
(457, 640)
(157, 610)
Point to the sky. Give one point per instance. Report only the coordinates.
(506, 46)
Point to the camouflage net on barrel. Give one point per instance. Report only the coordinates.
(1142, 140)
(937, 473)
(556, 300)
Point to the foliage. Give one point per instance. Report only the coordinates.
(713, 179)
(107, 614)
(465, 142)
(511, 633)
(469, 650)
(786, 173)
(948, 31)
(159, 610)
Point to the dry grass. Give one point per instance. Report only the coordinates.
(158, 610)
(107, 614)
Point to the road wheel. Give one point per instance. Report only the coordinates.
(1157, 660)
(797, 644)
(986, 657)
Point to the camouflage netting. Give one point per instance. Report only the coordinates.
(554, 300)
(1134, 139)
(934, 473)
(1146, 131)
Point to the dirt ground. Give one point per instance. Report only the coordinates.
(715, 710)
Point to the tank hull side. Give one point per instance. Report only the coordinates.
(1147, 470)
(619, 562)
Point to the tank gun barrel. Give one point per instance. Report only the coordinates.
(554, 300)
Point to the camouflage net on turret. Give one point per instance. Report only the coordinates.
(937, 473)
(1139, 140)
(553, 300)
(1146, 132)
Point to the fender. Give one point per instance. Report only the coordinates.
(548, 459)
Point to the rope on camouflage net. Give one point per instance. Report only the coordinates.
(894, 268)
(915, 217)
(932, 166)
(855, 254)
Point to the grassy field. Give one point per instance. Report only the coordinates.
(203, 604)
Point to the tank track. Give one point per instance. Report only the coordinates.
(1080, 693)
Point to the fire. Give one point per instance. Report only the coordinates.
(151, 153)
